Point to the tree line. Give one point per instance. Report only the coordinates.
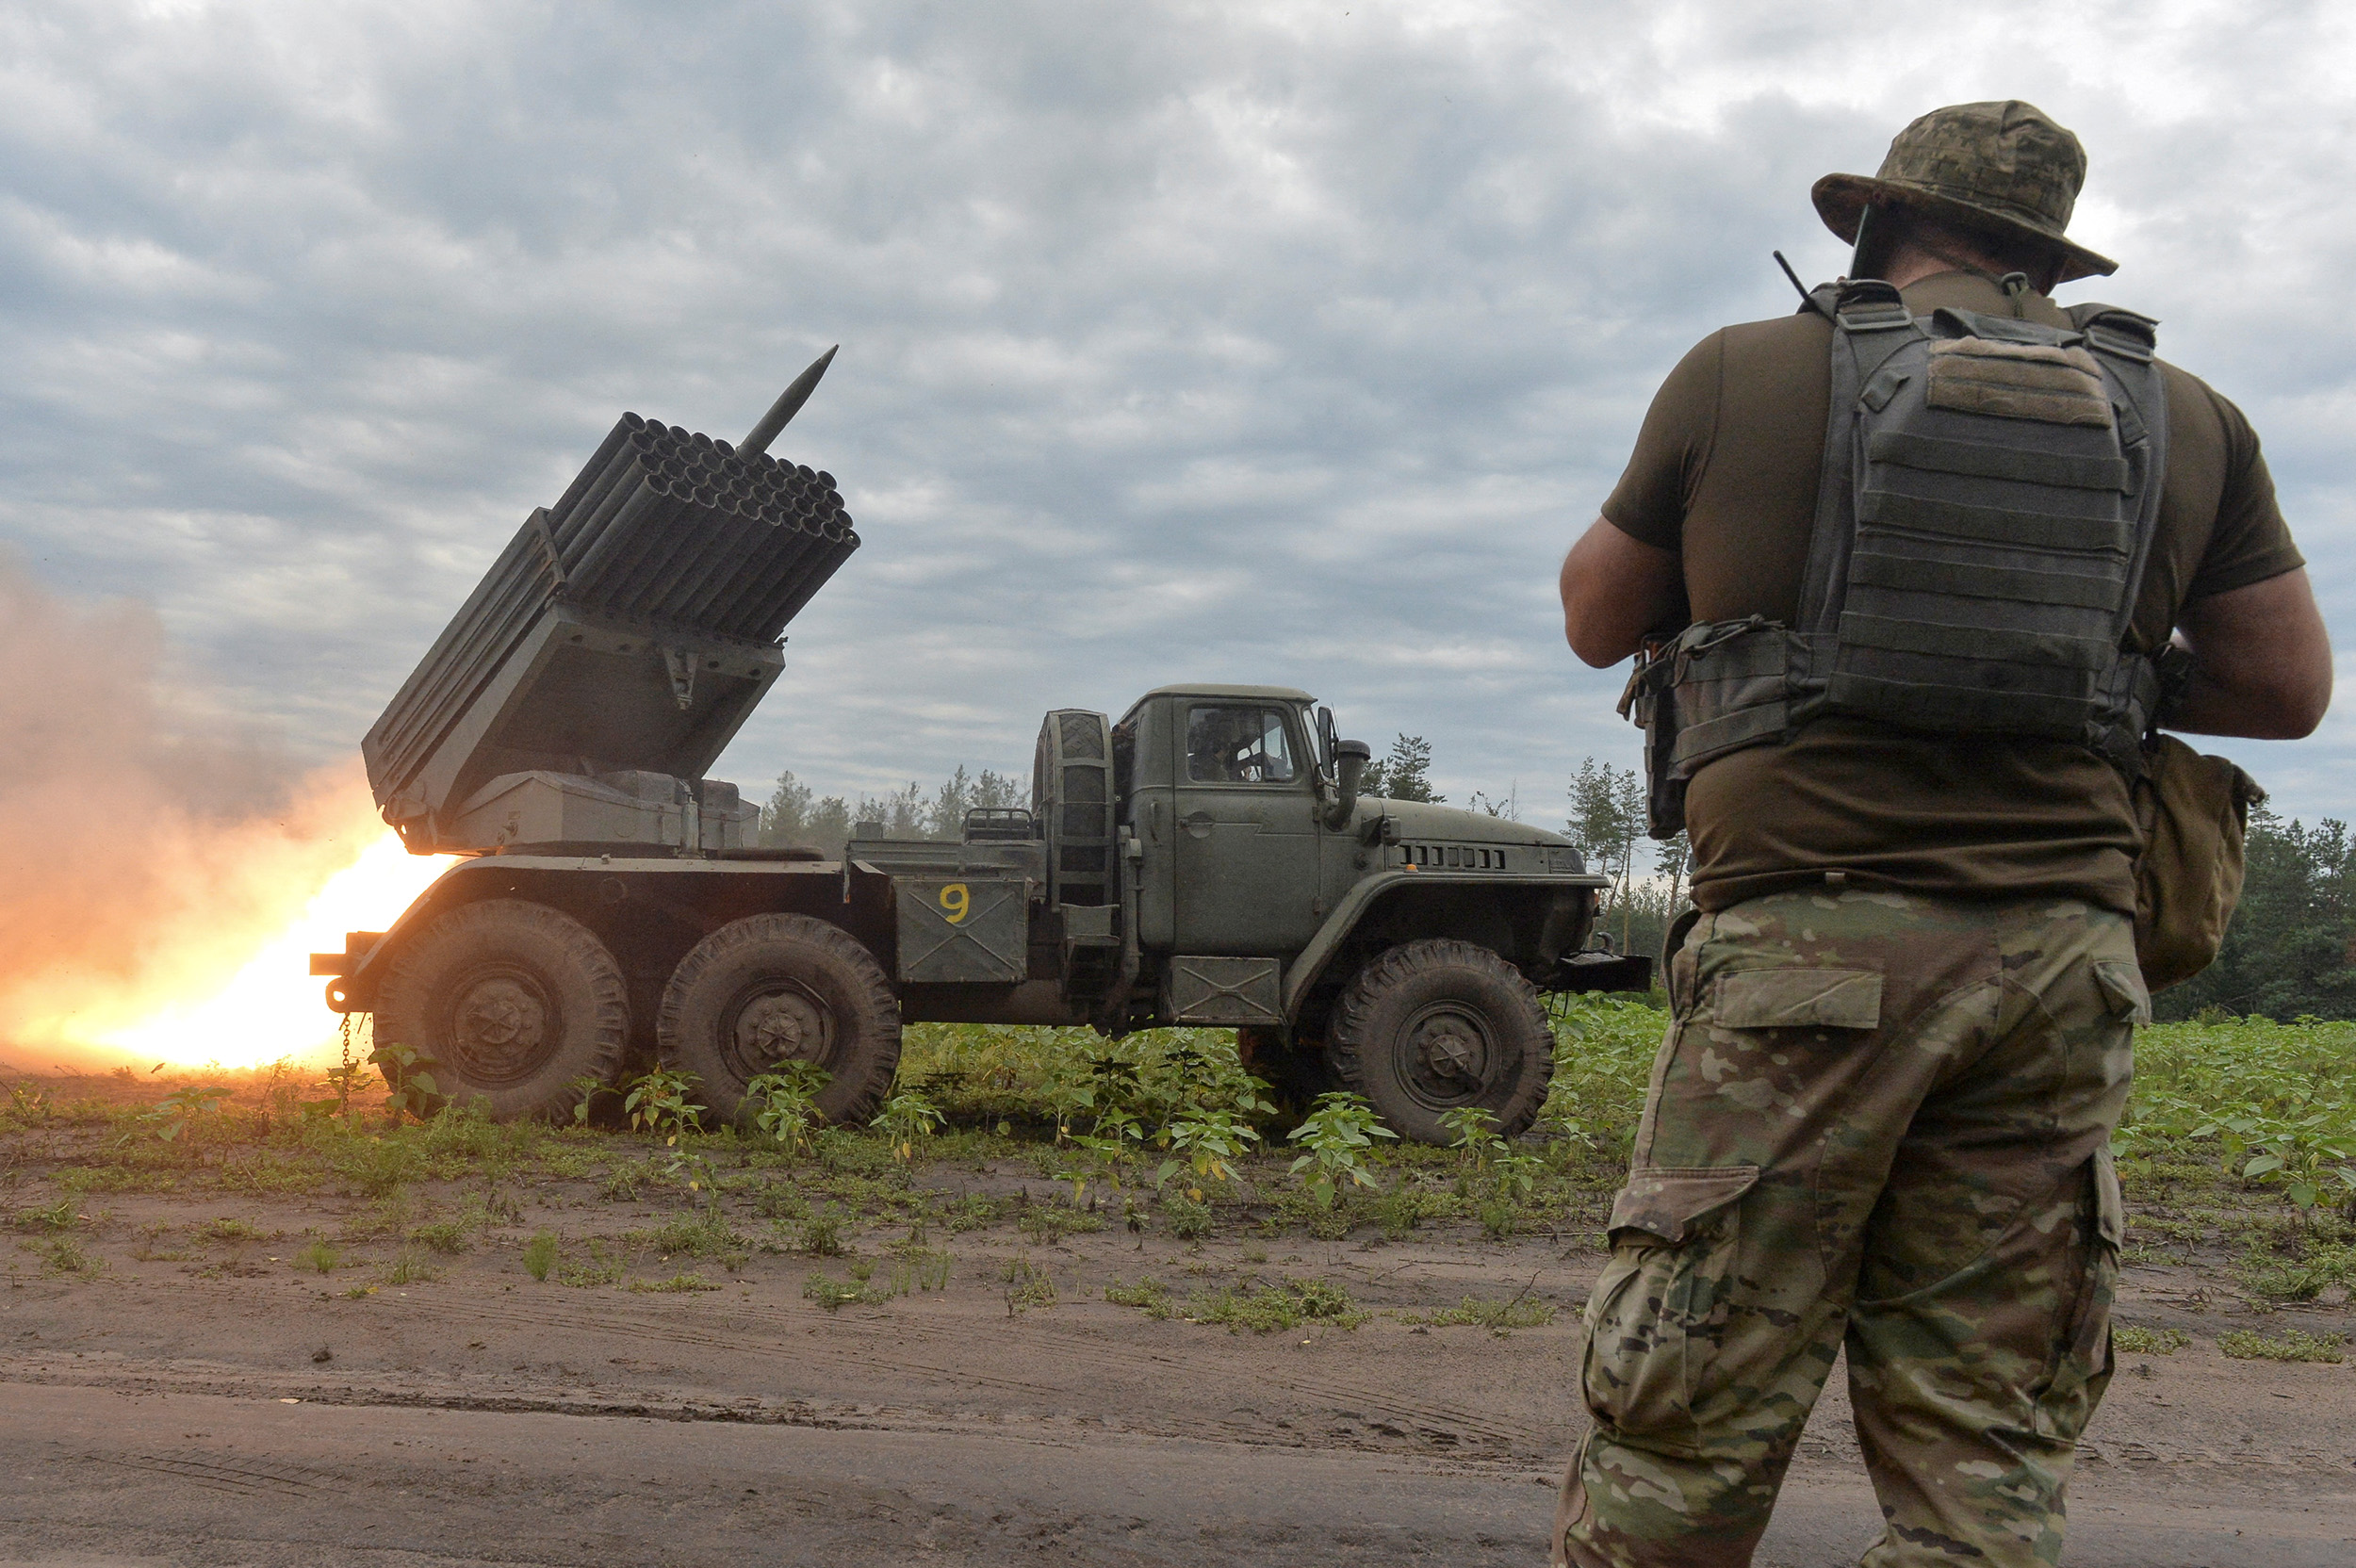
(2289, 952)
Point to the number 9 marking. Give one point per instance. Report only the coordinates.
(955, 899)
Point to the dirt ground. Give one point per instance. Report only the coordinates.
(197, 1390)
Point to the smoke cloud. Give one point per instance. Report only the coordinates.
(148, 843)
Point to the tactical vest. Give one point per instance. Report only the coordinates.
(1990, 493)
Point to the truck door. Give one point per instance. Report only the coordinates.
(1247, 830)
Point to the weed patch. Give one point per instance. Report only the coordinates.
(2290, 1344)
(408, 1268)
(1048, 1223)
(540, 1254)
(320, 1256)
(442, 1235)
(64, 1256)
(833, 1296)
(1267, 1309)
(675, 1284)
(1189, 1219)
(1027, 1285)
(1150, 1296)
(2150, 1342)
(1521, 1312)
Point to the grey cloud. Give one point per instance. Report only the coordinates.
(1244, 342)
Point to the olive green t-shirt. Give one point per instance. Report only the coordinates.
(1725, 472)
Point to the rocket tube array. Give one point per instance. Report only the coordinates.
(662, 524)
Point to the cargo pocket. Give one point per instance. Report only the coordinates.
(1660, 1310)
(2122, 983)
(2082, 1363)
(1797, 997)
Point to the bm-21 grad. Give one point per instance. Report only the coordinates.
(1207, 859)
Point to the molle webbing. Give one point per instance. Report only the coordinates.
(1990, 489)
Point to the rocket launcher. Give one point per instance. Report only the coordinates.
(615, 646)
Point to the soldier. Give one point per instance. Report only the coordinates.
(1926, 539)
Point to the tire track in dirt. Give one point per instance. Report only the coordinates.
(885, 1344)
(1440, 1423)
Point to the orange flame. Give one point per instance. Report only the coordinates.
(221, 972)
(159, 884)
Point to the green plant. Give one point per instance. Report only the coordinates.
(63, 1215)
(2273, 1101)
(29, 1104)
(349, 1076)
(1150, 1296)
(2150, 1342)
(921, 1269)
(443, 1235)
(1107, 1145)
(588, 1086)
(1206, 1145)
(1027, 1285)
(1188, 1218)
(2290, 1344)
(409, 1075)
(1521, 1311)
(785, 1102)
(822, 1235)
(677, 1283)
(656, 1101)
(540, 1254)
(907, 1116)
(600, 1267)
(64, 1255)
(319, 1255)
(831, 1296)
(1338, 1135)
(1047, 1223)
(190, 1109)
(408, 1268)
(1285, 1304)
(228, 1229)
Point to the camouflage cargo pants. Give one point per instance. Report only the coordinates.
(1878, 1121)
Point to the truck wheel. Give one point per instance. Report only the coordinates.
(1433, 1025)
(772, 988)
(512, 1001)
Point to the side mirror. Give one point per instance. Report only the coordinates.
(1350, 765)
(1325, 742)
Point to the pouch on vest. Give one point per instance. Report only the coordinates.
(1990, 490)
(2193, 813)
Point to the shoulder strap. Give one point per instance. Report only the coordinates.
(1871, 325)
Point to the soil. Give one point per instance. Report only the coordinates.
(203, 1396)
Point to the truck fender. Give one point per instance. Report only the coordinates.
(1362, 899)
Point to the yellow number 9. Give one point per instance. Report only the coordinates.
(955, 899)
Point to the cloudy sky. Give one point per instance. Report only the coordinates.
(1250, 342)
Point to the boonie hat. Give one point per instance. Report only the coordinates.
(2004, 166)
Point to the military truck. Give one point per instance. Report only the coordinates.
(1205, 859)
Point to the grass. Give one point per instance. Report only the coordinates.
(540, 1254)
(1273, 1307)
(2228, 1158)
(833, 1295)
(675, 1284)
(2290, 1344)
(2150, 1342)
(1027, 1285)
(1520, 1312)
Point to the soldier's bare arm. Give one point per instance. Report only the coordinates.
(2263, 661)
(1616, 589)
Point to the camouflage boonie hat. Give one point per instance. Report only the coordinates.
(2003, 166)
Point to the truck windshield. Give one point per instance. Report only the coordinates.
(1236, 745)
